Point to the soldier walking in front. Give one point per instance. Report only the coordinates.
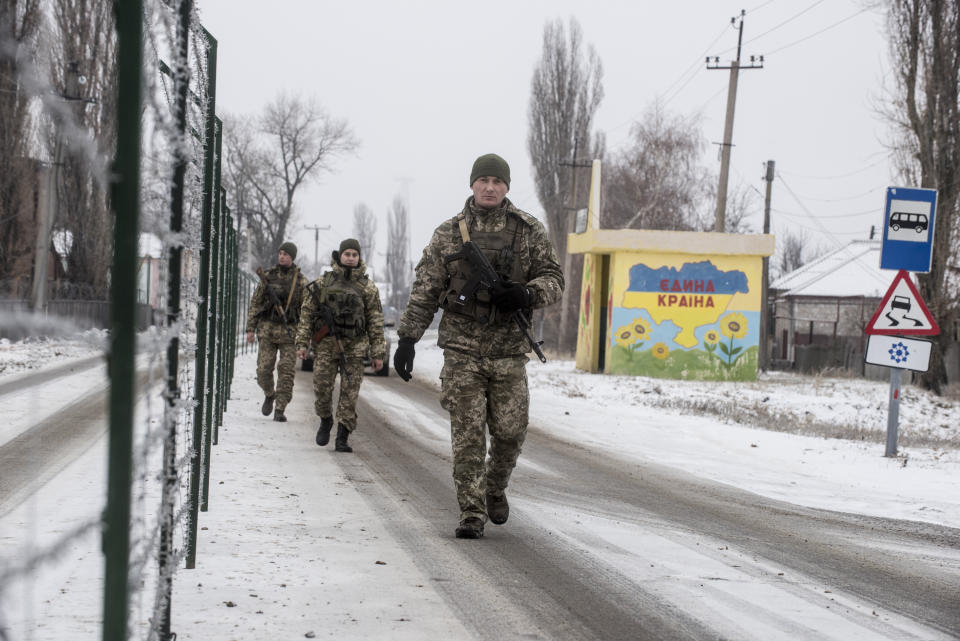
(272, 318)
(484, 378)
(343, 315)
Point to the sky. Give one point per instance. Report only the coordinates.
(429, 85)
(261, 573)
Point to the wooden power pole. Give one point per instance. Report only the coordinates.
(734, 67)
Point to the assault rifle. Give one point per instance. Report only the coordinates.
(275, 300)
(484, 275)
(329, 327)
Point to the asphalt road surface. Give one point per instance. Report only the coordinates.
(601, 547)
(605, 547)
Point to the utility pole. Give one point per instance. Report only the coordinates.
(50, 203)
(765, 282)
(316, 240)
(567, 258)
(734, 68)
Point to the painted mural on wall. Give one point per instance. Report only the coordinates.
(689, 318)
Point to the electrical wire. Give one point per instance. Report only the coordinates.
(838, 176)
(787, 21)
(812, 35)
(830, 216)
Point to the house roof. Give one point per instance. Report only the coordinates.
(852, 270)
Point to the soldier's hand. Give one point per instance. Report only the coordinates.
(250, 337)
(301, 353)
(377, 364)
(509, 296)
(403, 358)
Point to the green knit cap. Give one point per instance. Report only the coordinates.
(350, 243)
(490, 165)
(290, 248)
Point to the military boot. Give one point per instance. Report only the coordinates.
(340, 444)
(278, 416)
(470, 528)
(323, 434)
(497, 508)
(267, 406)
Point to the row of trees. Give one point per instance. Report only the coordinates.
(71, 68)
(268, 158)
(659, 181)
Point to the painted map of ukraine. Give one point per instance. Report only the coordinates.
(696, 294)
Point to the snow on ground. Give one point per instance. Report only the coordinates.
(279, 551)
(39, 353)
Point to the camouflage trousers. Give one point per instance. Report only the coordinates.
(484, 394)
(325, 368)
(272, 339)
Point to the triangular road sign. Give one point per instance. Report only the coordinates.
(902, 312)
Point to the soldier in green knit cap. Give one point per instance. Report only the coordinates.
(348, 299)
(273, 320)
(484, 378)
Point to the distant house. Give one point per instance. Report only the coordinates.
(828, 302)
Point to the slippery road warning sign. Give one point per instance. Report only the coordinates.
(902, 312)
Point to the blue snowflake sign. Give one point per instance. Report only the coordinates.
(899, 352)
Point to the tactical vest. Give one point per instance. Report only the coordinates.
(281, 283)
(345, 297)
(501, 248)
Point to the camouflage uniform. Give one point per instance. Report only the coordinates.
(484, 380)
(357, 342)
(271, 334)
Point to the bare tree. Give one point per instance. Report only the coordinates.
(295, 141)
(242, 168)
(657, 181)
(925, 112)
(565, 93)
(85, 45)
(19, 27)
(793, 251)
(398, 263)
(365, 230)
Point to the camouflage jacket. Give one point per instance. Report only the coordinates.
(538, 261)
(373, 340)
(259, 311)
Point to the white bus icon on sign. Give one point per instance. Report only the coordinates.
(903, 220)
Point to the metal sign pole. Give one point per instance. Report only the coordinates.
(893, 414)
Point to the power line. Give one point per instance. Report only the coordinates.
(838, 176)
(812, 35)
(787, 21)
(855, 214)
(869, 192)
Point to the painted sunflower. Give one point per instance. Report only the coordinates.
(734, 325)
(661, 351)
(624, 336)
(641, 329)
(711, 337)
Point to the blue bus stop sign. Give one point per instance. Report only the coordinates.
(908, 219)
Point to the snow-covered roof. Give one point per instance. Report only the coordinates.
(852, 270)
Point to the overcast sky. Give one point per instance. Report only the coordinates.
(429, 85)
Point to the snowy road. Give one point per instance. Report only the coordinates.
(599, 547)
(603, 542)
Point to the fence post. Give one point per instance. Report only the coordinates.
(125, 204)
(199, 376)
(181, 79)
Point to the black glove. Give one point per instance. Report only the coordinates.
(509, 296)
(403, 358)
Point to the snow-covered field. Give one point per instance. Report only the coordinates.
(778, 437)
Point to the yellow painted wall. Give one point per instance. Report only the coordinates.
(588, 314)
(684, 315)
